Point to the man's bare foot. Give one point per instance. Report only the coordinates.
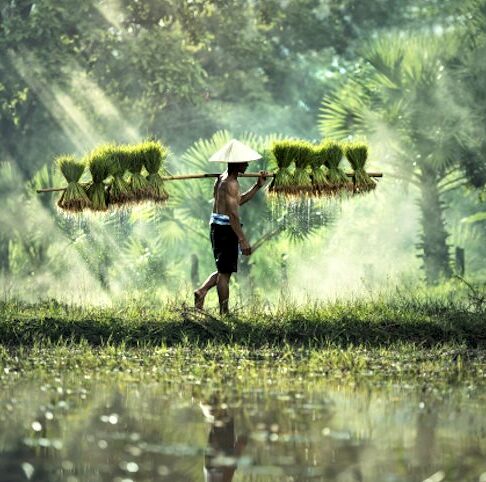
(199, 299)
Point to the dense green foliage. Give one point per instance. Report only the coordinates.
(71, 74)
(406, 73)
(405, 86)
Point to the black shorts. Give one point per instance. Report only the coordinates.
(225, 248)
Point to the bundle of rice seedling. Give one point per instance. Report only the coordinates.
(357, 155)
(302, 182)
(154, 155)
(100, 164)
(283, 152)
(140, 188)
(74, 198)
(332, 153)
(319, 173)
(119, 190)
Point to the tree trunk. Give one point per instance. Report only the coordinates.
(460, 263)
(434, 247)
(194, 271)
(4, 256)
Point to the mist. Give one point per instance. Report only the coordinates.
(265, 78)
(370, 249)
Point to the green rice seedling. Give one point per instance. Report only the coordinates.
(283, 151)
(140, 188)
(302, 156)
(332, 152)
(357, 155)
(119, 190)
(154, 156)
(74, 198)
(319, 174)
(100, 164)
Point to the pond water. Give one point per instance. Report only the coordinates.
(79, 427)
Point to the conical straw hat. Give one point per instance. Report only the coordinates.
(235, 151)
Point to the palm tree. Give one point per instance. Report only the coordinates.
(401, 99)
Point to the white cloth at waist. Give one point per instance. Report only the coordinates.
(222, 219)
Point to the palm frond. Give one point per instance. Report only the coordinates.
(344, 112)
(304, 218)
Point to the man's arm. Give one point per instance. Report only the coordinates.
(254, 189)
(245, 197)
(232, 205)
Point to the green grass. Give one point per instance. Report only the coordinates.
(375, 324)
(403, 362)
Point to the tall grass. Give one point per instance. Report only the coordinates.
(375, 323)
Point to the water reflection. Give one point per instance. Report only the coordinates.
(132, 431)
(224, 447)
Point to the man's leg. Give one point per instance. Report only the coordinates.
(201, 292)
(223, 292)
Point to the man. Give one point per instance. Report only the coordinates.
(226, 232)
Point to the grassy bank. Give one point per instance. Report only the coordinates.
(366, 323)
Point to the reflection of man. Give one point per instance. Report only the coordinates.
(227, 236)
(224, 447)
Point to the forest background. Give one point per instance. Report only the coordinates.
(406, 74)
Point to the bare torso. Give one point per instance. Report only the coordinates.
(224, 188)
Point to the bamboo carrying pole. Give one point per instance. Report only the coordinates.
(181, 177)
